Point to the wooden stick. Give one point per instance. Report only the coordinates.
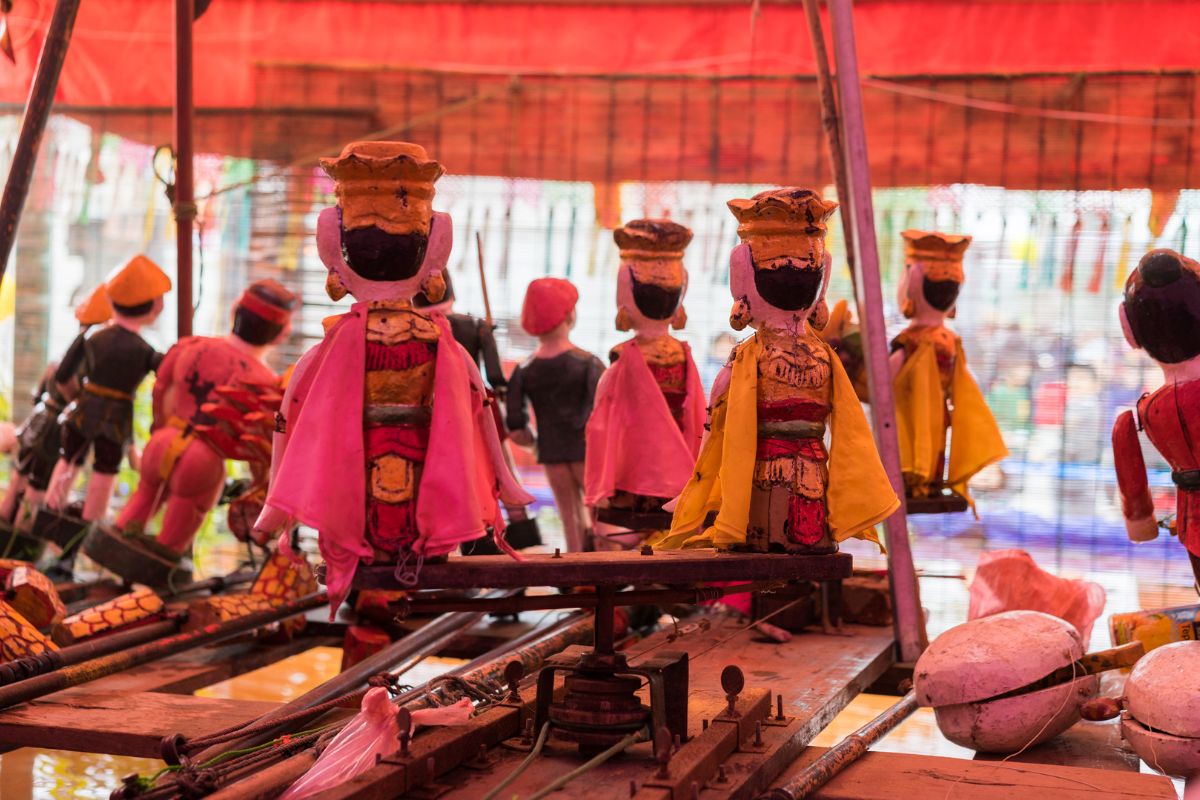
(184, 204)
(487, 304)
(37, 112)
(1090, 664)
(910, 620)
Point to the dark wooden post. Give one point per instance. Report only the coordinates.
(185, 201)
(37, 112)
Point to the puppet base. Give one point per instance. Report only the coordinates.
(18, 545)
(945, 503)
(63, 528)
(635, 520)
(135, 559)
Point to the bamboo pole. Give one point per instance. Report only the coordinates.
(184, 204)
(92, 669)
(845, 752)
(858, 212)
(37, 112)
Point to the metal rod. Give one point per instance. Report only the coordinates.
(910, 621)
(829, 121)
(23, 668)
(185, 202)
(428, 639)
(92, 669)
(845, 752)
(33, 126)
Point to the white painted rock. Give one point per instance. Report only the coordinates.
(983, 658)
(1163, 691)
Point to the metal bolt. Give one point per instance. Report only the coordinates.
(704, 724)
(662, 752)
(647, 550)
(528, 735)
(404, 720)
(758, 740)
(732, 681)
(779, 707)
(557, 553)
(722, 777)
(513, 672)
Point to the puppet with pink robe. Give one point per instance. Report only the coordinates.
(648, 420)
(384, 443)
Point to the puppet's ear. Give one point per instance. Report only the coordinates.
(679, 319)
(739, 316)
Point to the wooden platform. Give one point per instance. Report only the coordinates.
(612, 569)
(816, 674)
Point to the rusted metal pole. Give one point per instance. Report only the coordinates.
(829, 121)
(857, 207)
(92, 669)
(185, 194)
(33, 126)
(845, 752)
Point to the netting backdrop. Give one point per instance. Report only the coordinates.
(1037, 314)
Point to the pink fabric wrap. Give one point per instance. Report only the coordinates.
(1009, 580)
(633, 442)
(320, 479)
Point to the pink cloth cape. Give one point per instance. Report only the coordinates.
(633, 442)
(320, 478)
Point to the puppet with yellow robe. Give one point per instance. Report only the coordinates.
(934, 389)
(766, 480)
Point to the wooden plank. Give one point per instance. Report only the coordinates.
(888, 776)
(684, 567)
(1097, 745)
(120, 724)
(816, 674)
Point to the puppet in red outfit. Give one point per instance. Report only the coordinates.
(181, 464)
(648, 420)
(1161, 315)
(384, 443)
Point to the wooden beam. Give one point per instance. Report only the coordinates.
(184, 204)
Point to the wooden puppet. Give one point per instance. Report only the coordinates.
(39, 437)
(384, 442)
(934, 389)
(559, 381)
(183, 466)
(1160, 314)
(645, 431)
(765, 469)
(111, 364)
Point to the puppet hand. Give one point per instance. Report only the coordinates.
(1141, 530)
(268, 523)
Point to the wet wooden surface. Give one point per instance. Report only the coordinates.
(900, 776)
(684, 567)
(816, 674)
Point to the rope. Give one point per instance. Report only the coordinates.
(583, 769)
(516, 773)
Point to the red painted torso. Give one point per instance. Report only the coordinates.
(193, 369)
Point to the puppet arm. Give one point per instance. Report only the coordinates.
(510, 490)
(1137, 506)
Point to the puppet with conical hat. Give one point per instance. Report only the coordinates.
(110, 365)
(645, 429)
(40, 435)
(183, 464)
(1160, 314)
(789, 464)
(385, 445)
(933, 387)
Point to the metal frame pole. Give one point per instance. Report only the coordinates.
(909, 618)
(37, 112)
(185, 201)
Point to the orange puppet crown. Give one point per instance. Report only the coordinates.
(385, 184)
(783, 226)
(653, 248)
(940, 253)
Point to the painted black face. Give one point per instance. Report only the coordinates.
(1164, 316)
(788, 288)
(940, 294)
(378, 255)
(653, 301)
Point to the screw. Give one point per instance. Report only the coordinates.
(557, 553)
(662, 752)
(528, 735)
(704, 724)
(779, 707)
(404, 720)
(722, 777)
(758, 740)
(647, 550)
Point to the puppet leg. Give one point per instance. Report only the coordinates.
(60, 484)
(195, 486)
(107, 457)
(16, 488)
(148, 495)
(568, 497)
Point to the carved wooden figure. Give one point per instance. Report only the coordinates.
(39, 437)
(111, 363)
(934, 389)
(183, 465)
(1161, 315)
(765, 469)
(559, 381)
(645, 430)
(384, 443)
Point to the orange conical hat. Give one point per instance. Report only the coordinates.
(95, 308)
(138, 282)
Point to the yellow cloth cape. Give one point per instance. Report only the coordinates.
(976, 441)
(859, 494)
